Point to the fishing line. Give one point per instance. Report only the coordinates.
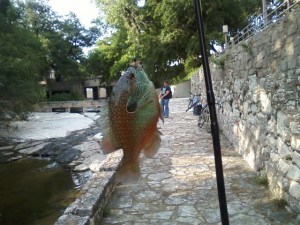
(213, 117)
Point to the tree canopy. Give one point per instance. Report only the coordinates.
(63, 39)
(33, 41)
(22, 62)
(163, 33)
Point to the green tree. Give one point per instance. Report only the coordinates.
(163, 33)
(33, 41)
(63, 38)
(22, 63)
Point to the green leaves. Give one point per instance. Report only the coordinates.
(34, 40)
(21, 66)
(163, 33)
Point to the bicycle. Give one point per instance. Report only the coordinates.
(204, 116)
(193, 101)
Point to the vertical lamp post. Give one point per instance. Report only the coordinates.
(213, 117)
(264, 10)
(225, 31)
(232, 41)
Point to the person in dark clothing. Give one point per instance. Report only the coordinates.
(164, 96)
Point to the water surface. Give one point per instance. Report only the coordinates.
(34, 192)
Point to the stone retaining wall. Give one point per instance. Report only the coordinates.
(84, 104)
(88, 208)
(258, 83)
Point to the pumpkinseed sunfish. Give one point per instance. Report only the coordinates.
(129, 122)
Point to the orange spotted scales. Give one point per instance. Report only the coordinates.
(129, 121)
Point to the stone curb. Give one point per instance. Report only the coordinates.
(88, 208)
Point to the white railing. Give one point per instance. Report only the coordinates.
(260, 22)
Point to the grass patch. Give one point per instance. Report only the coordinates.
(262, 179)
(279, 203)
(219, 61)
(106, 212)
(247, 49)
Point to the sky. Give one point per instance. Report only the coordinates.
(85, 10)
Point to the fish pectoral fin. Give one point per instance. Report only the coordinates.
(161, 116)
(154, 144)
(107, 147)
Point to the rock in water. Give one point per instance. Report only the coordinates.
(129, 121)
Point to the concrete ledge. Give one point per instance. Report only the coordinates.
(59, 109)
(72, 220)
(47, 106)
(88, 208)
(76, 109)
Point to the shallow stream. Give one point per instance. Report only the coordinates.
(34, 192)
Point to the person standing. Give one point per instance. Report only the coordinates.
(164, 96)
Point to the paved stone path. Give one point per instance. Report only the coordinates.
(178, 186)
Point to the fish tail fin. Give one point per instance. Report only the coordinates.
(128, 172)
(130, 169)
(154, 144)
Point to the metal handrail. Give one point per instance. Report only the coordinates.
(260, 22)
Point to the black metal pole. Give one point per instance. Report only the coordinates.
(213, 117)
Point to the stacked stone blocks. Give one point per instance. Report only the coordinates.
(88, 208)
(259, 88)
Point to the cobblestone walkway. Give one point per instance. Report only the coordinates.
(178, 186)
